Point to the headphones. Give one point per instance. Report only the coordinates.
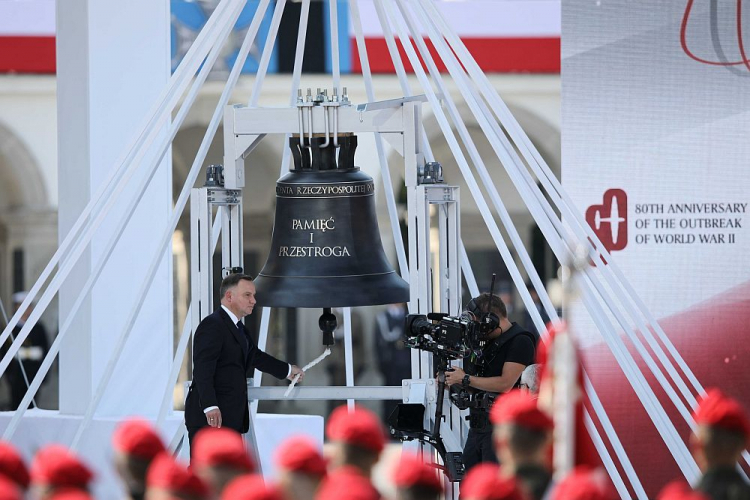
(488, 320)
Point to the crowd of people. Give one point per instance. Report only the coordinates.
(221, 467)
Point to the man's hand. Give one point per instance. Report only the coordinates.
(214, 418)
(454, 376)
(296, 370)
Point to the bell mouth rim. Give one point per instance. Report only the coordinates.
(324, 277)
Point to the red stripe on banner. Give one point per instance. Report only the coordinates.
(494, 55)
(27, 54)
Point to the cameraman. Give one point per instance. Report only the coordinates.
(508, 351)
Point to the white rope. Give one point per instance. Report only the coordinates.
(146, 134)
(333, 19)
(484, 175)
(507, 164)
(265, 58)
(109, 247)
(309, 365)
(299, 56)
(463, 165)
(447, 97)
(179, 206)
(555, 190)
(385, 172)
(609, 465)
(614, 440)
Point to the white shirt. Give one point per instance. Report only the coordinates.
(235, 320)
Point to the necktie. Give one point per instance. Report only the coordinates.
(244, 335)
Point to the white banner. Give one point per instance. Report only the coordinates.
(656, 156)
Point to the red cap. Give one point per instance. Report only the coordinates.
(71, 494)
(520, 408)
(718, 410)
(56, 466)
(300, 454)
(9, 489)
(221, 446)
(165, 473)
(585, 483)
(360, 427)
(679, 490)
(137, 438)
(346, 483)
(12, 465)
(413, 471)
(483, 482)
(250, 487)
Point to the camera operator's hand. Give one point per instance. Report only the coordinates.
(454, 376)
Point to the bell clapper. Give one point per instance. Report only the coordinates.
(327, 323)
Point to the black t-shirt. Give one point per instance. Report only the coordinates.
(519, 349)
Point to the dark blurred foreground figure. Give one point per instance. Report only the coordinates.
(720, 438)
(486, 482)
(585, 483)
(55, 469)
(416, 480)
(170, 480)
(136, 444)
(12, 466)
(347, 483)
(219, 456)
(251, 487)
(357, 439)
(523, 440)
(301, 468)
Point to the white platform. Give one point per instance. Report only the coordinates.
(41, 427)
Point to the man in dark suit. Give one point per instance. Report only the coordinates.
(224, 356)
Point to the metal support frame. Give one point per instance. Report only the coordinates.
(202, 202)
(446, 279)
(399, 123)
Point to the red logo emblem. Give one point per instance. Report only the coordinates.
(610, 219)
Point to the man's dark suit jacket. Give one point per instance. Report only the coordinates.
(221, 365)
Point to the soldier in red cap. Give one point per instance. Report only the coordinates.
(585, 483)
(720, 438)
(219, 456)
(13, 467)
(169, 480)
(485, 482)
(136, 444)
(679, 490)
(9, 490)
(357, 438)
(523, 439)
(301, 468)
(347, 483)
(55, 468)
(251, 487)
(416, 480)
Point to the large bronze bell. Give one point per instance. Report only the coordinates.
(326, 249)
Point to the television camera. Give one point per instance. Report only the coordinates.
(447, 338)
